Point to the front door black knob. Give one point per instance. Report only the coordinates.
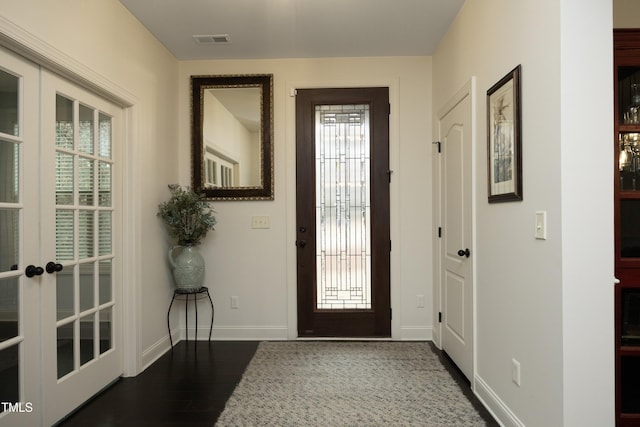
(32, 270)
(465, 252)
(53, 267)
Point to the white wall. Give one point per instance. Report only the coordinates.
(587, 216)
(108, 42)
(546, 303)
(259, 266)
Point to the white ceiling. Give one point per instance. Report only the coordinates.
(297, 28)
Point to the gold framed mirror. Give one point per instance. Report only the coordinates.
(232, 136)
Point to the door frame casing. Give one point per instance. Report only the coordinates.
(467, 90)
(394, 205)
(376, 321)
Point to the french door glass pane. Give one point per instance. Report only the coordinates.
(104, 183)
(64, 179)
(105, 329)
(9, 117)
(104, 141)
(9, 375)
(9, 168)
(65, 353)
(104, 281)
(86, 286)
(104, 233)
(9, 309)
(86, 130)
(85, 181)
(64, 235)
(64, 122)
(343, 241)
(9, 239)
(86, 237)
(87, 332)
(64, 294)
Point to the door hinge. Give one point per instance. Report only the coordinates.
(293, 92)
(439, 232)
(390, 313)
(439, 146)
(389, 172)
(389, 245)
(439, 317)
(389, 113)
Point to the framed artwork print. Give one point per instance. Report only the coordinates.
(504, 143)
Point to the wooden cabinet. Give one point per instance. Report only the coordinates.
(627, 224)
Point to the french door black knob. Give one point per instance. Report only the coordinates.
(53, 267)
(32, 270)
(464, 252)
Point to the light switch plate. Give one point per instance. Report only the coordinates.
(260, 222)
(541, 225)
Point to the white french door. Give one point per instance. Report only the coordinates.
(20, 366)
(61, 206)
(81, 320)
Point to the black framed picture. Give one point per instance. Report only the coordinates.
(504, 143)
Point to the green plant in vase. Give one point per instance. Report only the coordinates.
(188, 217)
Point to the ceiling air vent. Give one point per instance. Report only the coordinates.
(213, 39)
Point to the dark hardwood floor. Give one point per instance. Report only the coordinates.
(189, 387)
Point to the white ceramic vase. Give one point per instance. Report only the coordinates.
(188, 267)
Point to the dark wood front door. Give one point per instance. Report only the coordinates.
(343, 238)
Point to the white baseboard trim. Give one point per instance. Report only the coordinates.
(158, 349)
(416, 333)
(436, 338)
(498, 409)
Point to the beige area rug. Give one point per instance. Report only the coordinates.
(326, 383)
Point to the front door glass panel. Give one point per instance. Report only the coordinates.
(343, 207)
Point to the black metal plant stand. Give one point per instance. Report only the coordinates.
(186, 293)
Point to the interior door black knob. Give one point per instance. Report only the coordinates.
(301, 243)
(464, 252)
(32, 270)
(53, 267)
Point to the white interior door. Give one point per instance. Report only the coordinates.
(81, 327)
(60, 286)
(455, 127)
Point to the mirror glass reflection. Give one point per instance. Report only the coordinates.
(231, 137)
